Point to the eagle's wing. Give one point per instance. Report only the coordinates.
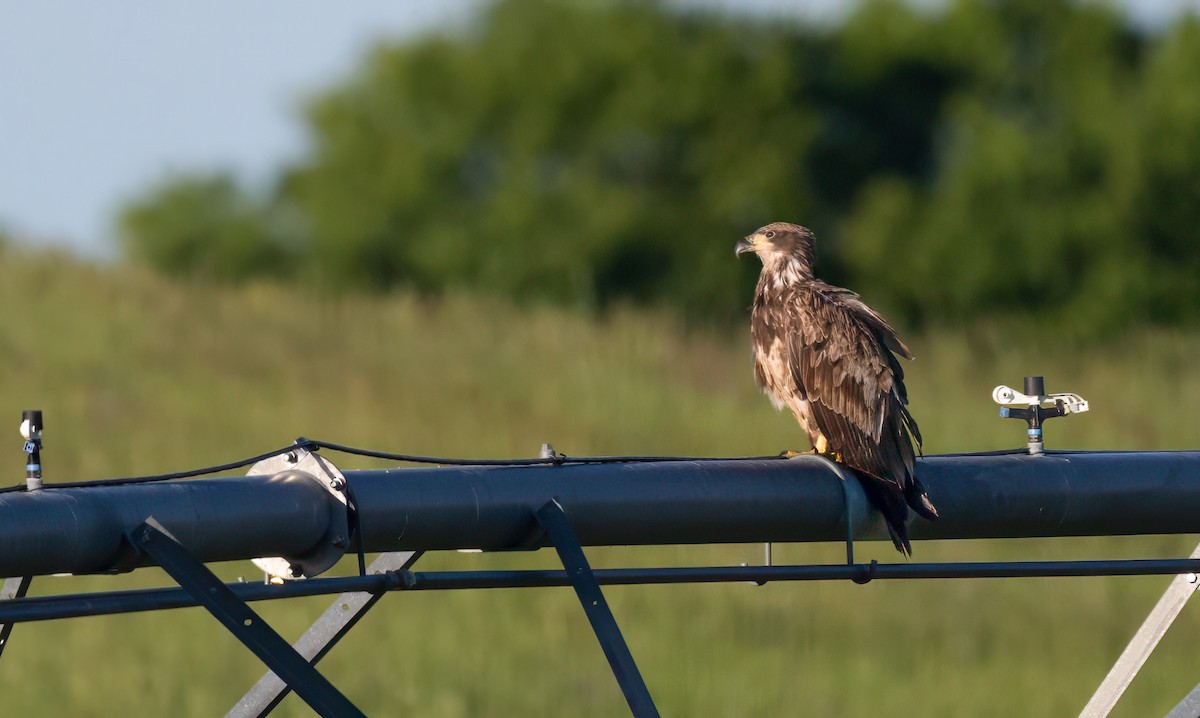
(842, 355)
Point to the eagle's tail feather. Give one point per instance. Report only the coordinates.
(898, 453)
(889, 500)
(916, 497)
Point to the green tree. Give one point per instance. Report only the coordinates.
(1166, 207)
(981, 158)
(205, 226)
(576, 152)
(1031, 208)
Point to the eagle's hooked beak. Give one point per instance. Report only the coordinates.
(746, 244)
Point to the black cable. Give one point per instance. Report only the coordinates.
(548, 461)
(1120, 451)
(157, 477)
(313, 445)
(1056, 452)
(556, 460)
(994, 452)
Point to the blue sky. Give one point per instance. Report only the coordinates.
(97, 100)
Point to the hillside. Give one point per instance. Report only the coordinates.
(140, 375)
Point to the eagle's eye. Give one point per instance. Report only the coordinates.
(770, 234)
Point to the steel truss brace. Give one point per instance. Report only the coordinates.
(319, 639)
(1142, 645)
(1189, 707)
(15, 587)
(554, 522)
(249, 628)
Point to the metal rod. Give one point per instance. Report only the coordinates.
(45, 608)
(553, 519)
(320, 638)
(860, 573)
(31, 430)
(15, 587)
(107, 603)
(82, 530)
(243, 622)
(851, 490)
(1143, 643)
(1189, 707)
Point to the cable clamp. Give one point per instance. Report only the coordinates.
(865, 573)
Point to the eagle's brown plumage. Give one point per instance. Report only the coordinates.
(821, 352)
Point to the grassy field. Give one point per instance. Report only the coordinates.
(140, 375)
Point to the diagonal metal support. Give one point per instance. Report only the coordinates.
(553, 520)
(1189, 707)
(208, 590)
(320, 638)
(15, 587)
(1142, 644)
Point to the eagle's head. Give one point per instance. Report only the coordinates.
(782, 244)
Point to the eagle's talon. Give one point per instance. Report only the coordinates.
(831, 455)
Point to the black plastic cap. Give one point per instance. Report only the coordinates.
(1035, 386)
(34, 417)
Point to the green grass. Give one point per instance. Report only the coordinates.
(140, 375)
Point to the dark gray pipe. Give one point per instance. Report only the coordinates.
(1062, 494)
(81, 530)
(1015, 495)
(675, 502)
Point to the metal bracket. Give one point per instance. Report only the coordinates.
(849, 502)
(849, 516)
(331, 549)
(246, 625)
(15, 587)
(553, 519)
(1142, 645)
(320, 638)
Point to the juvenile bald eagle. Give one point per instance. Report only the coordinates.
(820, 351)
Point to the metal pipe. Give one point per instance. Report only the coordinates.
(81, 530)
(994, 496)
(107, 603)
(637, 503)
(1062, 494)
(45, 608)
(859, 573)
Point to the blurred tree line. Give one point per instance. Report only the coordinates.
(983, 158)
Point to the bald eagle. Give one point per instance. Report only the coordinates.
(821, 352)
